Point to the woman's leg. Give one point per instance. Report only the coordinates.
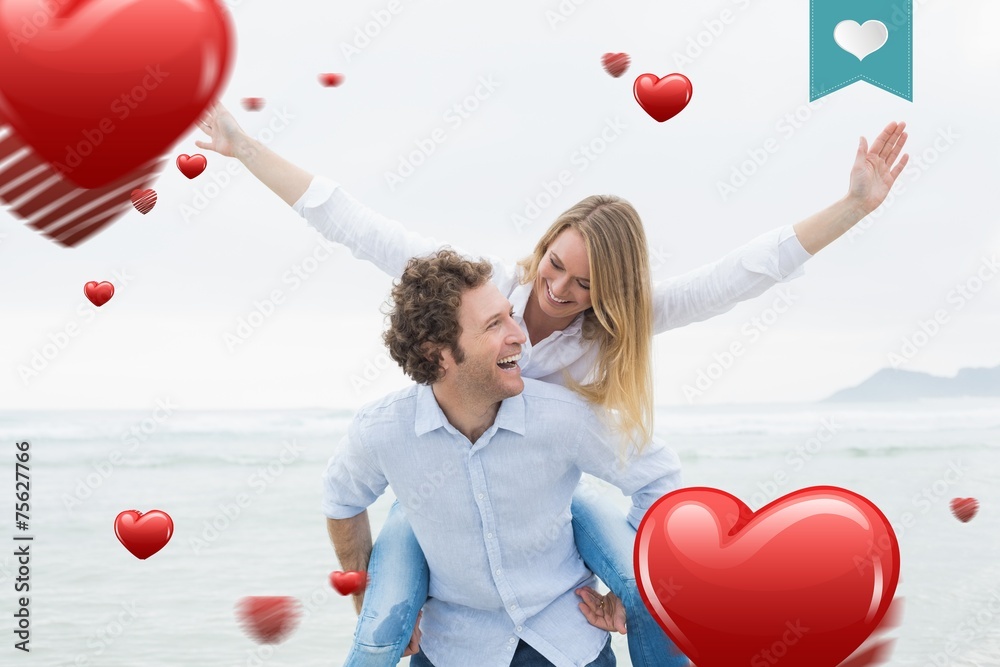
(397, 589)
(605, 540)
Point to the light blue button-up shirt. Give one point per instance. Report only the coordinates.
(493, 518)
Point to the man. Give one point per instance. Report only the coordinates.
(484, 464)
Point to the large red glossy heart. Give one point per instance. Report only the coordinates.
(268, 619)
(99, 88)
(144, 534)
(802, 582)
(662, 98)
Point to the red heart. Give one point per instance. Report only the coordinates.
(964, 508)
(144, 534)
(99, 294)
(804, 580)
(253, 103)
(103, 87)
(615, 64)
(191, 165)
(56, 207)
(350, 582)
(268, 619)
(662, 98)
(144, 200)
(331, 79)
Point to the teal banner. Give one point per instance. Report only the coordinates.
(860, 40)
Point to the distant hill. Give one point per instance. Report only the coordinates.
(898, 385)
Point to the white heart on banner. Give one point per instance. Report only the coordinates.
(861, 40)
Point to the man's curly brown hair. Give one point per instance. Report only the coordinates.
(424, 311)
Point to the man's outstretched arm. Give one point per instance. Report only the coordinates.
(352, 542)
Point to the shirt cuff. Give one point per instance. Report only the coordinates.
(320, 190)
(776, 254)
(335, 511)
(791, 254)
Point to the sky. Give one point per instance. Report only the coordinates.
(221, 258)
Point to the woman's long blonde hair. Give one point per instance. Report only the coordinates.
(621, 315)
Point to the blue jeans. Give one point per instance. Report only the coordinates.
(525, 656)
(399, 576)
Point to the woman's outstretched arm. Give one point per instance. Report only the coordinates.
(872, 177)
(322, 202)
(777, 256)
(285, 179)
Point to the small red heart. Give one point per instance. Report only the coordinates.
(806, 579)
(331, 79)
(144, 200)
(350, 582)
(964, 508)
(268, 619)
(144, 534)
(615, 64)
(99, 293)
(191, 165)
(662, 98)
(253, 103)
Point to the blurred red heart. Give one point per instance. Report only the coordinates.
(268, 619)
(253, 103)
(804, 580)
(143, 534)
(144, 200)
(964, 508)
(331, 79)
(662, 98)
(350, 582)
(56, 207)
(615, 64)
(191, 165)
(100, 88)
(99, 294)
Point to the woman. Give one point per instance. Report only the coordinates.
(585, 302)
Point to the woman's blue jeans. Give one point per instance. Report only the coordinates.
(398, 587)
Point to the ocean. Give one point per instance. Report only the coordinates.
(243, 489)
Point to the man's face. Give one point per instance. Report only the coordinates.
(489, 335)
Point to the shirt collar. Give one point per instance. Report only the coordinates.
(430, 416)
(429, 413)
(510, 416)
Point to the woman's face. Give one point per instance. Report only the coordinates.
(563, 282)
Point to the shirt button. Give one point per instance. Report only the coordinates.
(511, 640)
(513, 607)
(519, 628)
(499, 571)
(489, 534)
(480, 496)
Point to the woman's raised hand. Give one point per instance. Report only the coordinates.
(223, 131)
(873, 173)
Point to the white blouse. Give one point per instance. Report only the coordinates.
(750, 270)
